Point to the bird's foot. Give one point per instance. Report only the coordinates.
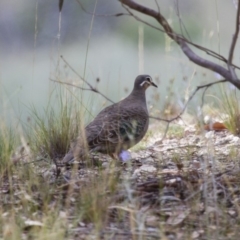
(124, 156)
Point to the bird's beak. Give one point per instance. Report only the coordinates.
(153, 84)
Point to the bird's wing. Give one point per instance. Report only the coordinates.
(116, 125)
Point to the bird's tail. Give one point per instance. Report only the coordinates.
(69, 158)
(78, 152)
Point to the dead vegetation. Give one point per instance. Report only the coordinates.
(184, 187)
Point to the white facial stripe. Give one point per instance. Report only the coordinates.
(141, 84)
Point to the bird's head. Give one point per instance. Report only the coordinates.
(142, 82)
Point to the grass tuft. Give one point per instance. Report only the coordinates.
(230, 105)
(51, 135)
(7, 145)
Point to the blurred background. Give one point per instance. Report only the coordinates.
(113, 49)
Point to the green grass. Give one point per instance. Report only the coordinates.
(231, 107)
(50, 134)
(175, 131)
(97, 202)
(8, 144)
(36, 206)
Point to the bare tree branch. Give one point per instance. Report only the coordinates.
(99, 15)
(168, 121)
(235, 36)
(91, 88)
(189, 99)
(228, 73)
(208, 51)
(192, 56)
(60, 4)
(206, 86)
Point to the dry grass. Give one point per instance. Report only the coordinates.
(170, 191)
(109, 203)
(231, 107)
(50, 134)
(8, 143)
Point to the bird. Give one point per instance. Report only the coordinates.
(117, 127)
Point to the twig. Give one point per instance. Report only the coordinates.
(189, 99)
(235, 36)
(60, 4)
(39, 160)
(233, 44)
(90, 86)
(181, 24)
(72, 85)
(157, 5)
(206, 86)
(99, 15)
(203, 95)
(141, 234)
(85, 89)
(165, 132)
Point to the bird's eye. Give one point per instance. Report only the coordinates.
(148, 79)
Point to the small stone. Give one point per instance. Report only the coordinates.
(136, 173)
(148, 168)
(105, 164)
(209, 135)
(149, 160)
(195, 234)
(82, 224)
(32, 223)
(232, 213)
(235, 139)
(196, 164)
(152, 221)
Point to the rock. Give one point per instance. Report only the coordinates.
(147, 168)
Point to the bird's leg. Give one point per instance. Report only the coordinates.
(123, 155)
(114, 155)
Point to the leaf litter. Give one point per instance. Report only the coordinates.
(183, 187)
